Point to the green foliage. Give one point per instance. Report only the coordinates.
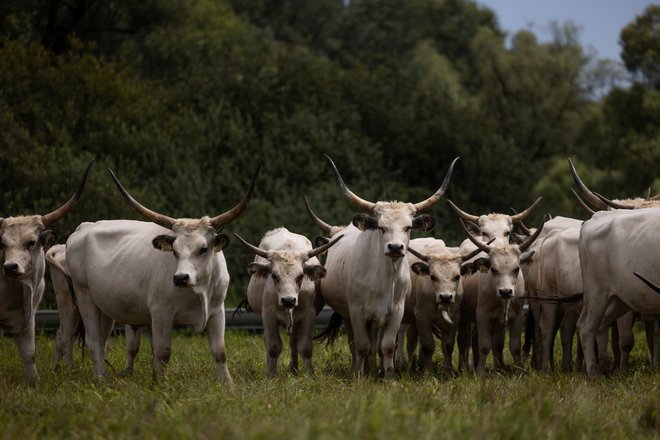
(640, 41)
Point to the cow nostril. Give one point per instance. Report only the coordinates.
(10, 268)
(288, 301)
(445, 298)
(181, 279)
(395, 247)
(506, 293)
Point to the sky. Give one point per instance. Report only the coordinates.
(600, 21)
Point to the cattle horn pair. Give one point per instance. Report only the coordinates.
(63, 210)
(599, 201)
(312, 253)
(485, 246)
(426, 258)
(167, 222)
(369, 206)
(475, 218)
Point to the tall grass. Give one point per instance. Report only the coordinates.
(70, 403)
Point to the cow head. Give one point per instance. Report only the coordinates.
(285, 269)
(444, 271)
(503, 261)
(393, 220)
(24, 238)
(493, 226)
(193, 241)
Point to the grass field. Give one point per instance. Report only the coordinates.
(191, 404)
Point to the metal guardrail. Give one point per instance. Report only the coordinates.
(49, 320)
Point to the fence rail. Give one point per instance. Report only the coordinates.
(49, 320)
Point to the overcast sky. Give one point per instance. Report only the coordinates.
(600, 21)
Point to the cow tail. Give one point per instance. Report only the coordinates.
(243, 306)
(79, 333)
(331, 332)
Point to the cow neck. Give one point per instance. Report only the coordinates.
(30, 285)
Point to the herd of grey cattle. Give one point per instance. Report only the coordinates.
(383, 286)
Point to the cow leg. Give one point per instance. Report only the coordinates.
(293, 348)
(351, 341)
(132, 338)
(400, 356)
(567, 331)
(161, 338)
(361, 342)
(69, 320)
(649, 327)
(272, 341)
(27, 350)
(448, 340)
(411, 344)
(497, 343)
(516, 323)
(388, 342)
(215, 329)
(626, 338)
(547, 320)
(484, 333)
(305, 341)
(427, 344)
(656, 343)
(588, 326)
(95, 336)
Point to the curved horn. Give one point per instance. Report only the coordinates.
(420, 206)
(222, 219)
(320, 223)
(419, 255)
(357, 201)
(323, 248)
(613, 204)
(586, 192)
(527, 243)
(655, 197)
(478, 243)
(462, 214)
(159, 219)
(582, 204)
(254, 249)
(648, 283)
(522, 225)
(476, 251)
(60, 212)
(521, 215)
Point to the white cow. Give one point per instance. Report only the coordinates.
(435, 298)
(553, 282)
(22, 243)
(282, 290)
(612, 246)
(368, 275)
(495, 228)
(156, 275)
(69, 316)
(498, 282)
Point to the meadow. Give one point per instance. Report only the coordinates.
(190, 403)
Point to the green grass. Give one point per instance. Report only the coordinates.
(190, 403)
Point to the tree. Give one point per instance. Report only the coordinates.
(640, 46)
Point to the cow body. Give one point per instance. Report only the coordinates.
(553, 276)
(119, 276)
(613, 245)
(282, 291)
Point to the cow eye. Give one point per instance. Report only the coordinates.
(276, 278)
(407, 229)
(456, 278)
(515, 271)
(381, 229)
(176, 254)
(507, 233)
(434, 278)
(494, 271)
(31, 243)
(203, 250)
(299, 279)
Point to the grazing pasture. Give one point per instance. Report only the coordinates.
(190, 403)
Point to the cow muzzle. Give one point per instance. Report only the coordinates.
(505, 293)
(444, 299)
(12, 270)
(288, 302)
(395, 250)
(181, 279)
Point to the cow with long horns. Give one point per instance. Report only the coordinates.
(498, 281)
(368, 275)
(171, 271)
(282, 290)
(22, 243)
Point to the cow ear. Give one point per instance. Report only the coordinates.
(423, 222)
(421, 269)
(259, 269)
(321, 241)
(467, 268)
(517, 238)
(163, 242)
(526, 257)
(314, 271)
(220, 242)
(481, 264)
(365, 222)
(46, 239)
